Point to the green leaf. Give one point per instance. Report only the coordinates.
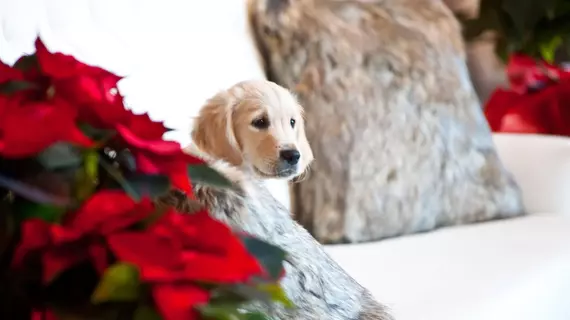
(138, 185)
(26, 62)
(220, 311)
(276, 293)
(151, 185)
(60, 155)
(548, 49)
(26, 209)
(117, 175)
(264, 292)
(201, 173)
(255, 316)
(126, 159)
(270, 256)
(239, 294)
(15, 85)
(100, 135)
(120, 282)
(91, 162)
(86, 179)
(144, 312)
(524, 26)
(525, 14)
(33, 193)
(229, 311)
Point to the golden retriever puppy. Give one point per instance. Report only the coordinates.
(255, 125)
(251, 132)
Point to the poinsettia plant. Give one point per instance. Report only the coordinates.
(537, 100)
(81, 233)
(538, 28)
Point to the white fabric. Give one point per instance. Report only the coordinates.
(174, 54)
(541, 166)
(503, 270)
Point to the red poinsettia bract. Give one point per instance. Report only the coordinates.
(66, 93)
(29, 127)
(173, 255)
(155, 155)
(180, 250)
(82, 236)
(92, 90)
(51, 97)
(536, 102)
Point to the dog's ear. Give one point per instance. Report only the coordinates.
(304, 146)
(213, 130)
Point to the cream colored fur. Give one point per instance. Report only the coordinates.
(224, 130)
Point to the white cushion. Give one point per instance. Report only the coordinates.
(541, 166)
(509, 269)
(174, 54)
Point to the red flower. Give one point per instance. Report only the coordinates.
(8, 73)
(92, 96)
(32, 120)
(28, 127)
(81, 237)
(43, 314)
(177, 301)
(59, 248)
(155, 155)
(190, 247)
(92, 90)
(144, 127)
(108, 211)
(498, 105)
(180, 250)
(525, 73)
(177, 254)
(541, 111)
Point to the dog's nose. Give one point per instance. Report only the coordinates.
(291, 156)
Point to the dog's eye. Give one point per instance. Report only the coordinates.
(260, 123)
(292, 122)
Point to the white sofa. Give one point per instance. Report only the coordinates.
(515, 269)
(177, 53)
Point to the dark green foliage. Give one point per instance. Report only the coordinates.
(539, 28)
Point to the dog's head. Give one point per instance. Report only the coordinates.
(258, 124)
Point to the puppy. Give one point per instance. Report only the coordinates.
(257, 126)
(252, 131)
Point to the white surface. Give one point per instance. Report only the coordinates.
(174, 54)
(541, 166)
(504, 270)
